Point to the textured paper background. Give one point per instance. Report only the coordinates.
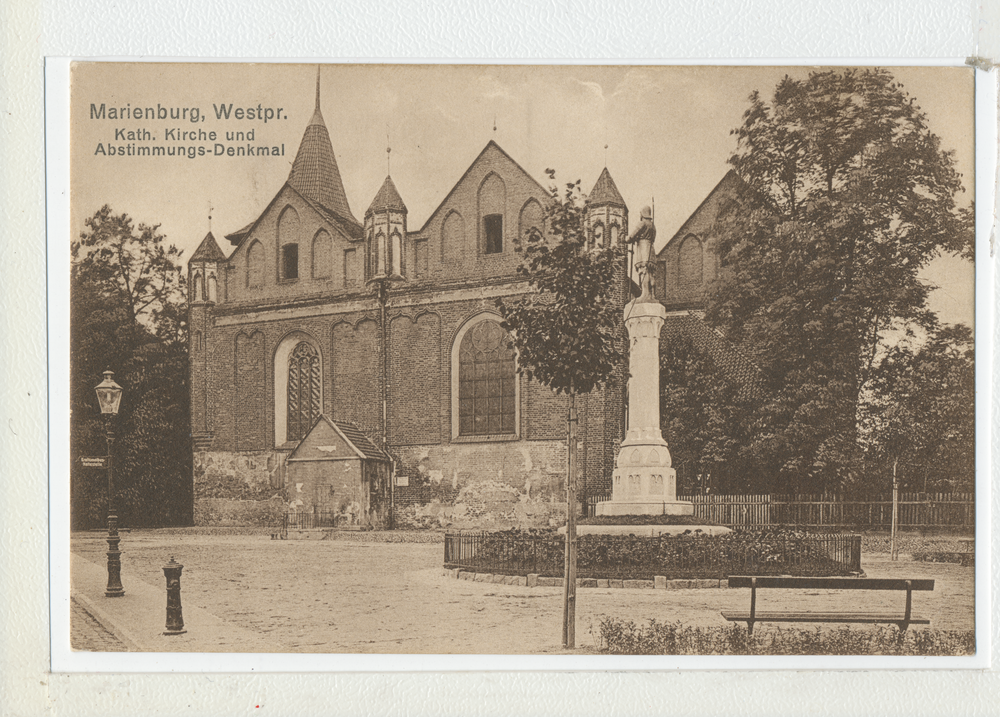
(396, 29)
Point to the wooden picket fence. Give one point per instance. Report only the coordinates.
(916, 510)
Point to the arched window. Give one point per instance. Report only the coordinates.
(198, 293)
(486, 374)
(598, 236)
(452, 237)
(322, 255)
(298, 387)
(213, 288)
(379, 254)
(690, 269)
(255, 265)
(492, 202)
(614, 234)
(397, 254)
(531, 219)
(303, 390)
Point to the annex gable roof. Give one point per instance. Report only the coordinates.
(330, 440)
(734, 364)
(491, 147)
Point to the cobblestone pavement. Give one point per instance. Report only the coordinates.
(86, 633)
(339, 596)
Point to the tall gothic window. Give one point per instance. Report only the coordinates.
(486, 382)
(303, 390)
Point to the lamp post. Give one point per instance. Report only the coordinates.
(109, 396)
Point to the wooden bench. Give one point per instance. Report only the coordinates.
(903, 619)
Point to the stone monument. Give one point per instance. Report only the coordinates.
(644, 482)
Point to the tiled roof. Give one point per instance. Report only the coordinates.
(361, 441)
(208, 250)
(735, 366)
(236, 237)
(314, 172)
(605, 191)
(387, 198)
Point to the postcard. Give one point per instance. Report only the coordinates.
(407, 365)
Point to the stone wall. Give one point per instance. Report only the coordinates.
(482, 485)
(238, 488)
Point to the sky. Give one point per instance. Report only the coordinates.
(662, 131)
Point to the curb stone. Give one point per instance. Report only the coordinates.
(659, 582)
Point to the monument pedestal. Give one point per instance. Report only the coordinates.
(644, 482)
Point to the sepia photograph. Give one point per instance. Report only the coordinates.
(521, 360)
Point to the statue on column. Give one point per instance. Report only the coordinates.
(642, 239)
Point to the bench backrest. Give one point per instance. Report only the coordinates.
(743, 581)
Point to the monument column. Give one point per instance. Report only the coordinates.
(644, 482)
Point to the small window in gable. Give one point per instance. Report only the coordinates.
(290, 261)
(493, 226)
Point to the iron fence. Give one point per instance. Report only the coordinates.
(917, 511)
(312, 520)
(632, 557)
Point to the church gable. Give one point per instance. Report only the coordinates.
(687, 264)
(293, 248)
(472, 233)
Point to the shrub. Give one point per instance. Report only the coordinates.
(619, 637)
(644, 520)
(758, 552)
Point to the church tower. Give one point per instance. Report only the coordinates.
(607, 215)
(204, 272)
(607, 225)
(385, 235)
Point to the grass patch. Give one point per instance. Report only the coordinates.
(620, 637)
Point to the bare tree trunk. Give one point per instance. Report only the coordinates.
(569, 573)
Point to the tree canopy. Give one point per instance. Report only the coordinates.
(127, 316)
(565, 328)
(849, 196)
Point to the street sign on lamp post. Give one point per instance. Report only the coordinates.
(109, 397)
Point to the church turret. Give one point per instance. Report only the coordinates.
(385, 235)
(607, 215)
(205, 270)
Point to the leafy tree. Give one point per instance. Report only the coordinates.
(700, 413)
(566, 328)
(921, 417)
(850, 195)
(127, 316)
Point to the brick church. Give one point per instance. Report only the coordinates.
(383, 339)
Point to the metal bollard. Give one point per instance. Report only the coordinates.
(175, 619)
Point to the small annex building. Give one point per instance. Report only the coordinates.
(336, 472)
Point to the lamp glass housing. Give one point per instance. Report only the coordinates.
(109, 394)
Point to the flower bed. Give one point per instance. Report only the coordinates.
(619, 637)
(621, 557)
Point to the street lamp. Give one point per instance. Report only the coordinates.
(109, 396)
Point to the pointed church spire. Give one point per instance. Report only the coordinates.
(314, 173)
(605, 191)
